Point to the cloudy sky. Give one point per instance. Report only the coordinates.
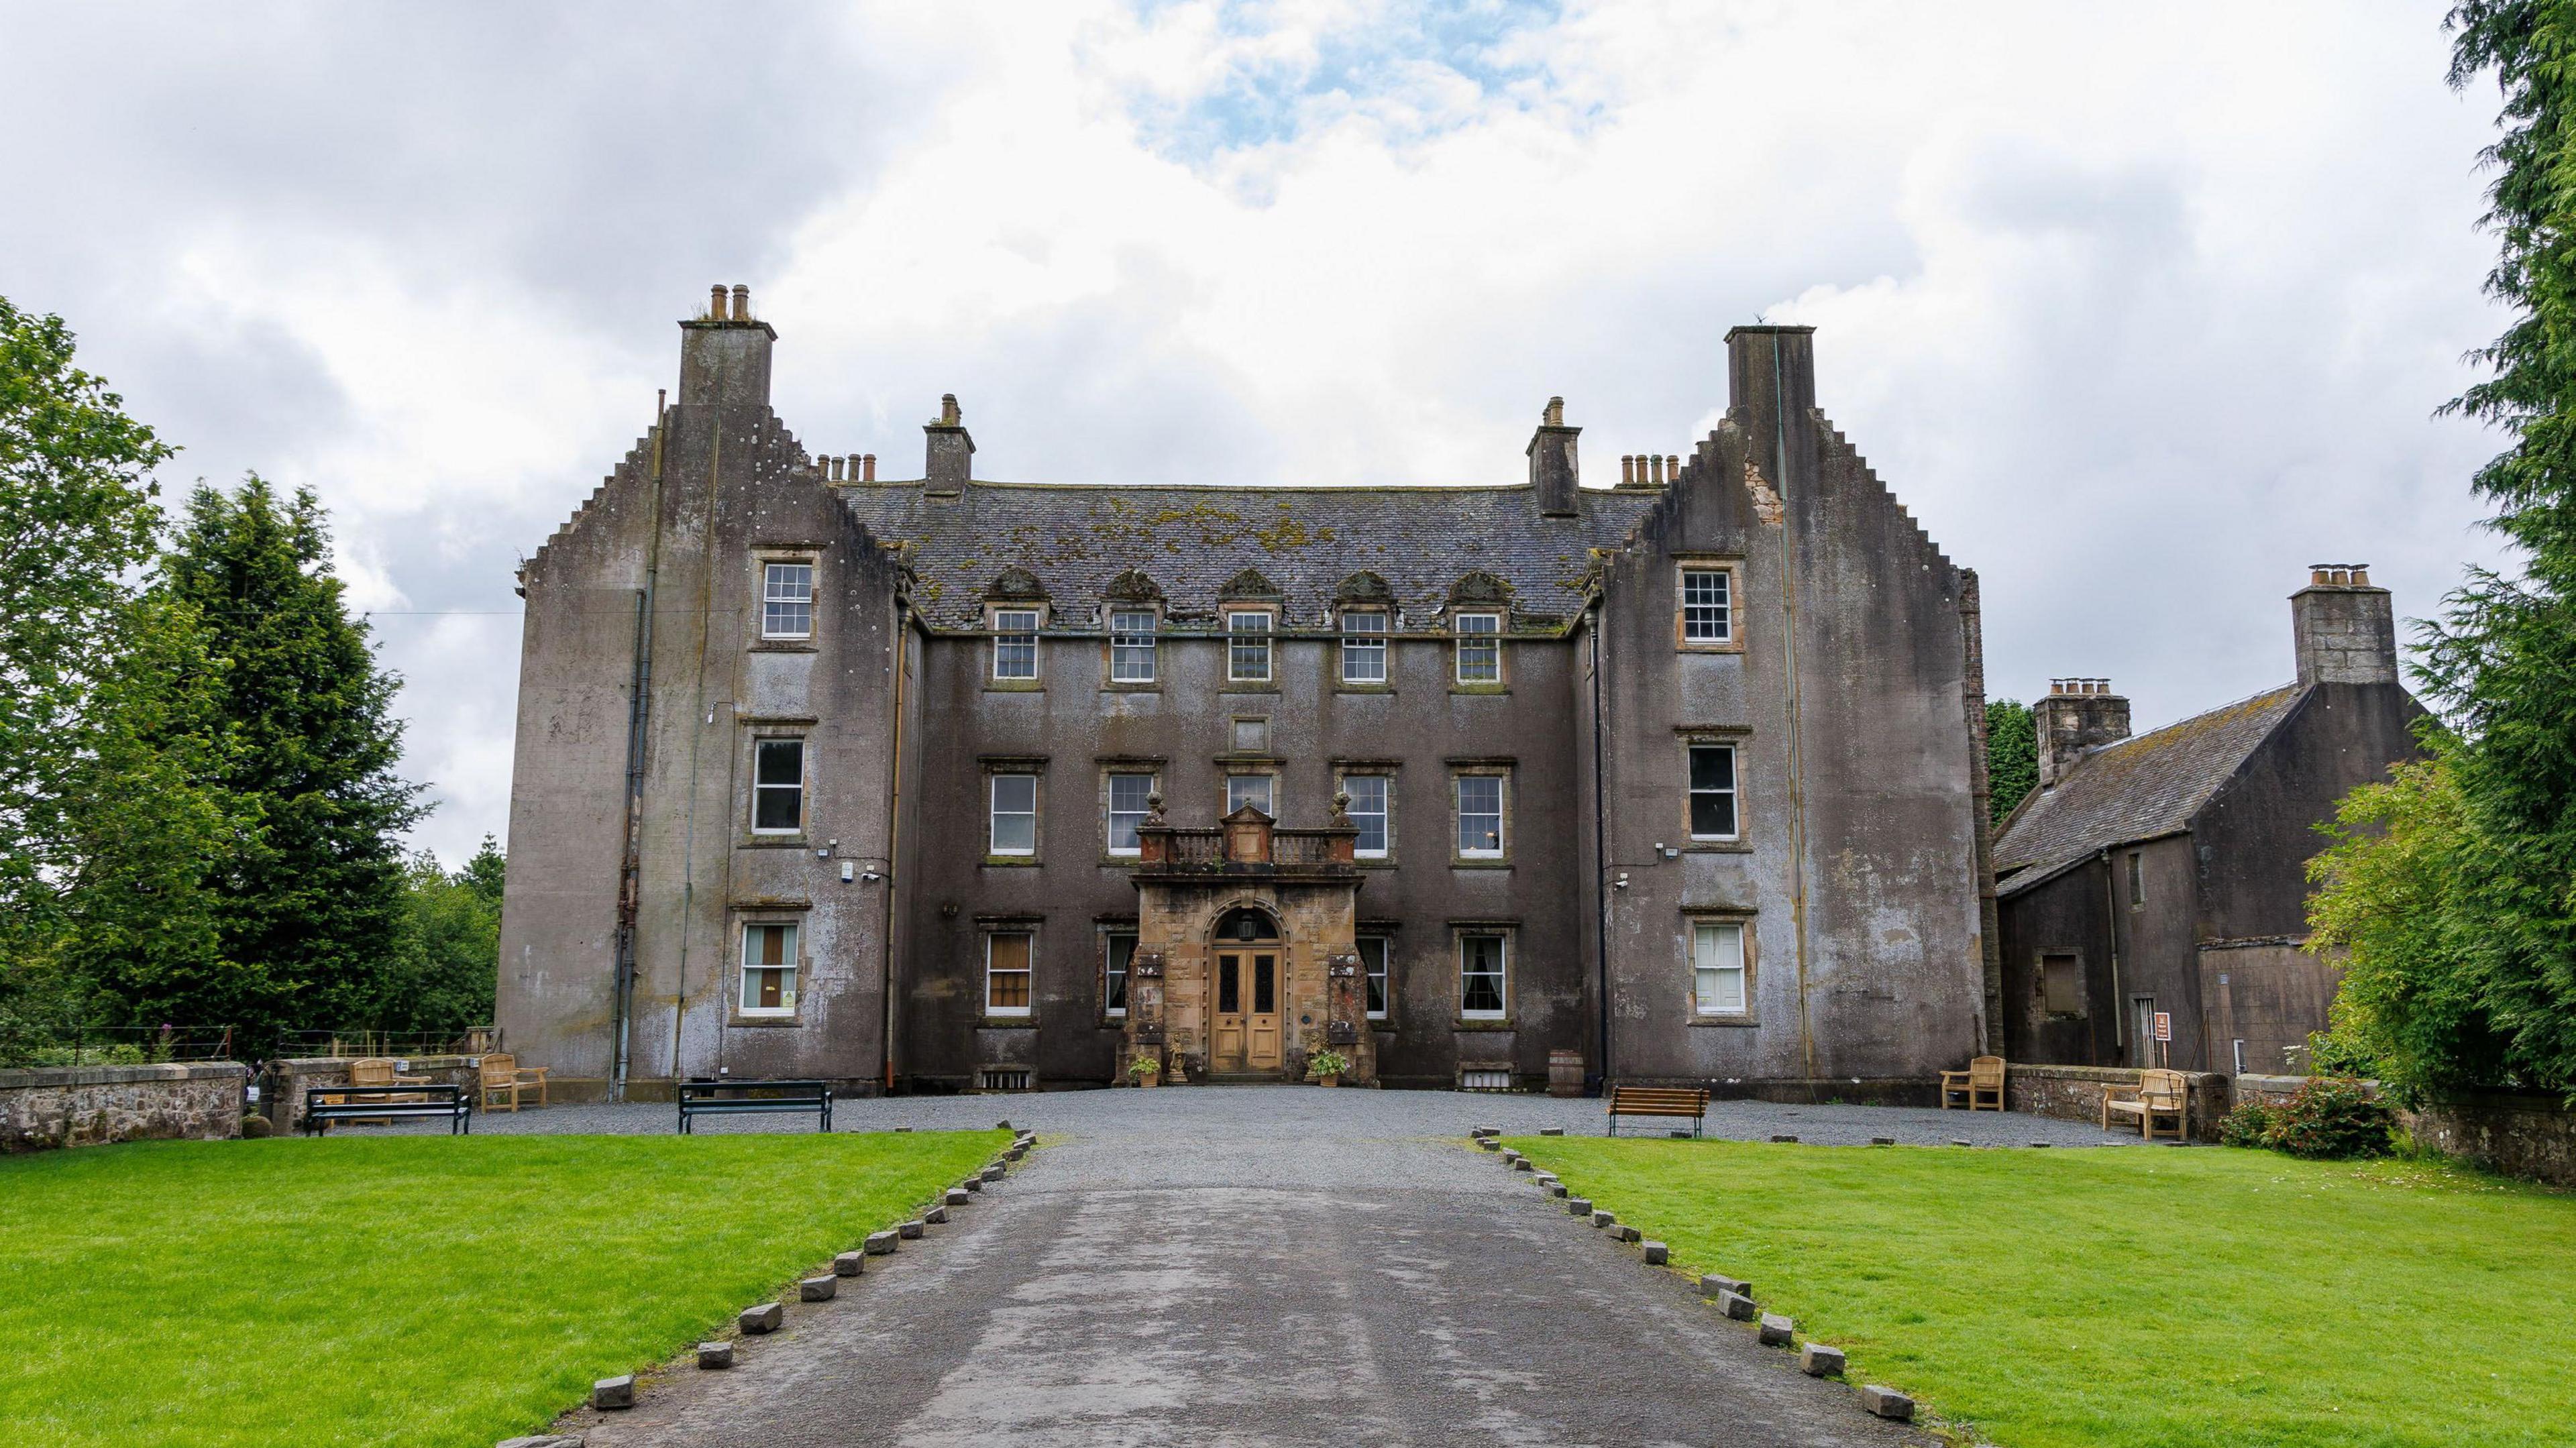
(2140, 308)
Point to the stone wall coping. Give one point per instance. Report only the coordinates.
(311, 1064)
(37, 1078)
(2113, 1075)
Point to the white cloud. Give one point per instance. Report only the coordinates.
(2139, 309)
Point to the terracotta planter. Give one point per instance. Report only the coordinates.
(1328, 1080)
(1149, 1079)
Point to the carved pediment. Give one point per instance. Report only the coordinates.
(1015, 583)
(1133, 586)
(1480, 587)
(1363, 587)
(1249, 584)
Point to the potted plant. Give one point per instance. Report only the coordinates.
(1145, 1070)
(1327, 1066)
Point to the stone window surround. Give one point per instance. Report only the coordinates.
(993, 610)
(1736, 737)
(1694, 917)
(1386, 769)
(1459, 930)
(764, 554)
(755, 729)
(1462, 767)
(1230, 765)
(989, 765)
(1732, 565)
(986, 927)
(747, 914)
(1107, 765)
(1382, 931)
(1384, 637)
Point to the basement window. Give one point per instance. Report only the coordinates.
(1477, 1078)
(1003, 1080)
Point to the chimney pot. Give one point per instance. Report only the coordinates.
(1554, 416)
(831, 470)
(868, 461)
(1627, 470)
(741, 302)
(716, 303)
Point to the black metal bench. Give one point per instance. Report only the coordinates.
(733, 1098)
(326, 1104)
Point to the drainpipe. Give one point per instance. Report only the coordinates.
(894, 834)
(1797, 762)
(1600, 859)
(630, 867)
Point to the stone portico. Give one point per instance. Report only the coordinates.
(1247, 958)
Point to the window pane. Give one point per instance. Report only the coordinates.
(778, 785)
(1480, 656)
(1127, 796)
(1122, 953)
(1265, 984)
(1364, 648)
(1717, 958)
(787, 600)
(1368, 810)
(1007, 973)
(1712, 792)
(1480, 814)
(1015, 817)
(1480, 975)
(769, 967)
(1373, 962)
(1248, 646)
(1015, 644)
(1707, 615)
(1131, 648)
(1248, 789)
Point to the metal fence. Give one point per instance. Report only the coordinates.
(121, 1045)
(355, 1043)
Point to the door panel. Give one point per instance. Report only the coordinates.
(1262, 1024)
(1225, 1047)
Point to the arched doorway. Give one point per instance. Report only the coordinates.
(1244, 1004)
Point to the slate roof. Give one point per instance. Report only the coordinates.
(2136, 789)
(1191, 540)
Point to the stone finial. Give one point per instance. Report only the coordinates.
(1341, 817)
(1154, 810)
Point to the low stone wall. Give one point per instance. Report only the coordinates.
(2074, 1093)
(283, 1083)
(87, 1105)
(2532, 1137)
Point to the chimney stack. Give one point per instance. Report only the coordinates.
(951, 452)
(1552, 471)
(1770, 392)
(2345, 629)
(2078, 717)
(724, 355)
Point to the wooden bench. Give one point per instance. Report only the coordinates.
(1675, 1101)
(731, 1098)
(1983, 1079)
(326, 1104)
(2158, 1093)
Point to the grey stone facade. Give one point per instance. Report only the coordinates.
(2167, 873)
(963, 656)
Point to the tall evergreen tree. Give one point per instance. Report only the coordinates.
(2012, 755)
(448, 960)
(311, 911)
(2454, 887)
(106, 830)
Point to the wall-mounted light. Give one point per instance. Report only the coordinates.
(847, 870)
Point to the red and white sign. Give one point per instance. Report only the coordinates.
(2164, 1025)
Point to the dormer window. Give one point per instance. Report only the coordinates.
(1015, 643)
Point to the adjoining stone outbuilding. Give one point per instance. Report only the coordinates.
(2166, 874)
(942, 783)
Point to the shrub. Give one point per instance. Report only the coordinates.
(2332, 1117)
(2250, 1124)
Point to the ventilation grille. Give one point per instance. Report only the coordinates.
(1006, 1080)
(1474, 1078)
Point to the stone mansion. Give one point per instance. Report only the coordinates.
(947, 783)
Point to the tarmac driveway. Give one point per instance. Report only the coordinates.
(1257, 1266)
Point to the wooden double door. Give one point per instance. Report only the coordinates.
(1244, 1027)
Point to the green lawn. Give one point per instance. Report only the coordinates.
(2135, 1298)
(420, 1291)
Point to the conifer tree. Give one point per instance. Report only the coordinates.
(310, 911)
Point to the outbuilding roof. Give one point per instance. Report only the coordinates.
(1427, 544)
(2136, 789)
